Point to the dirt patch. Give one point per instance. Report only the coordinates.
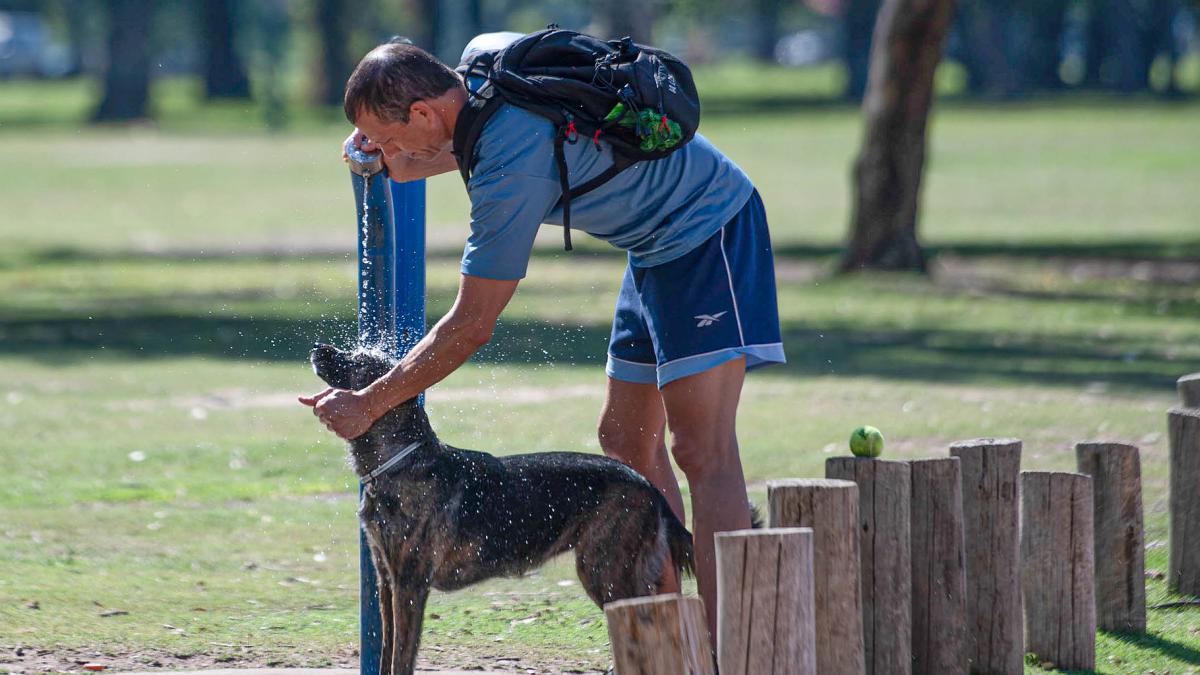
(28, 660)
(31, 660)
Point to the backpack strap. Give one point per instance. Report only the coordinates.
(560, 158)
(619, 164)
(481, 105)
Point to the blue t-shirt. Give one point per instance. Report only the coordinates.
(656, 210)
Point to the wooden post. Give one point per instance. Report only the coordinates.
(1120, 553)
(991, 523)
(1184, 569)
(1057, 568)
(830, 508)
(659, 634)
(884, 499)
(1189, 390)
(939, 579)
(766, 619)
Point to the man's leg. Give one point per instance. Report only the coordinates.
(701, 413)
(631, 431)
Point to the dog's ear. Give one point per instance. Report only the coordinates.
(369, 365)
(332, 365)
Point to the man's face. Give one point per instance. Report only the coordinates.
(423, 137)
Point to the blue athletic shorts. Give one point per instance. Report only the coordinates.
(713, 304)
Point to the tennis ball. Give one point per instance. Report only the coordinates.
(866, 442)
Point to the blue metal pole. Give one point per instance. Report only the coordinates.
(408, 209)
(391, 313)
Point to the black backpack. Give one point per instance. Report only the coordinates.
(639, 99)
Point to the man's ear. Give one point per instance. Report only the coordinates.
(423, 111)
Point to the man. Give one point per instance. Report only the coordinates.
(696, 310)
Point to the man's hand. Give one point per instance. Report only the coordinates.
(346, 413)
(357, 139)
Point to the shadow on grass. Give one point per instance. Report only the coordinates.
(915, 354)
(1128, 250)
(1177, 251)
(1158, 643)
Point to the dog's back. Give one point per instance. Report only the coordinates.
(506, 515)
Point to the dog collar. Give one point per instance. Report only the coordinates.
(383, 468)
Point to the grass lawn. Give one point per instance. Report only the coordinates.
(166, 503)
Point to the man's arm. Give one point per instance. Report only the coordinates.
(465, 328)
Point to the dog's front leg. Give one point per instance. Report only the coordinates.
(384, 584)
(408, 599)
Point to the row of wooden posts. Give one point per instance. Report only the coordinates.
(946, 565)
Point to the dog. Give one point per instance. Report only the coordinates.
(439, 517)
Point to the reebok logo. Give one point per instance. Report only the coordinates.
(708, 319)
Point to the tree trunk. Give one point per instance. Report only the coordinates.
(992, 539)
(455, 22)
(858, 21)
(766, 29)
(1120, 548)
(633, 18)
(907, 47)
(830, 508)
(983, 25)
(766, 613)
(422, 29)
(1058, 582)
(1128, 46)
(127, 79)
(1118, 53)
(659, 634)
(333, 66)
(78, 15)
(224, 74)
(1046, 21)
(939, 576)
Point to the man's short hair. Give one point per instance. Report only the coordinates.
(393, 76)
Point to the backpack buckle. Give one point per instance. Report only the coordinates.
(570, 133)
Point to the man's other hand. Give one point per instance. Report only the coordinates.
(344, 412)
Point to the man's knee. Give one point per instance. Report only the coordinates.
(700, 458)
(631, 446)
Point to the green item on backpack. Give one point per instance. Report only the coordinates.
(655, 131)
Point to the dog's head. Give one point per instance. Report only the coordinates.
(349, 370)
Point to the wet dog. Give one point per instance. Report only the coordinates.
(440, 517)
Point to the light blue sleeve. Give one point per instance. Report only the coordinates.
(513, 189)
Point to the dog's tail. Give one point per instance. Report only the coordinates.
(679, 542)
(756, 517)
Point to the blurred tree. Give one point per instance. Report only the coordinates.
(887, 174)
(273, 25)
(1044, 24)
(766, 28)
(1124, 39)
(333, 63)
(77, 17)
(1116, 49)
(224, 75)
(127, 78)
(858, 26)
(983, 27)
(634, 18)
(423, 28)
(444, 27)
